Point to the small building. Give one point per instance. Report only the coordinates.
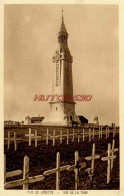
(27, 120)
(37, 119)
(83, 119)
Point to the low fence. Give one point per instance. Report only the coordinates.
(26, 180)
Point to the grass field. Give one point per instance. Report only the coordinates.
(43, 158)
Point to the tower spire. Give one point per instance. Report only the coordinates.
(63, 28)
(62, 15)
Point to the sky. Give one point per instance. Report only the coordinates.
(30, 39)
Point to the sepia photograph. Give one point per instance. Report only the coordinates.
(61, 98)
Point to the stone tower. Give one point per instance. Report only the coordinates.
(62, 110)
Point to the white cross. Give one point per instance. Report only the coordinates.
(83, 135)
(11, 173)
(36, 137)
(54, 136)
(80, 134)
(57, 170)
(30, 136)
(8, 139)
(100, 132)
(26, 179)
(73, 136)
(108, 159)
(66, 135)
(92, 157)
(90, 136)
(15, 139)
(112, 152)
(47, 136)
(93, 134)
(76, 168)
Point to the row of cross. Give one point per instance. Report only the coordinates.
(53, 136)
(76, 168)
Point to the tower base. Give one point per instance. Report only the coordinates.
(61, 114)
